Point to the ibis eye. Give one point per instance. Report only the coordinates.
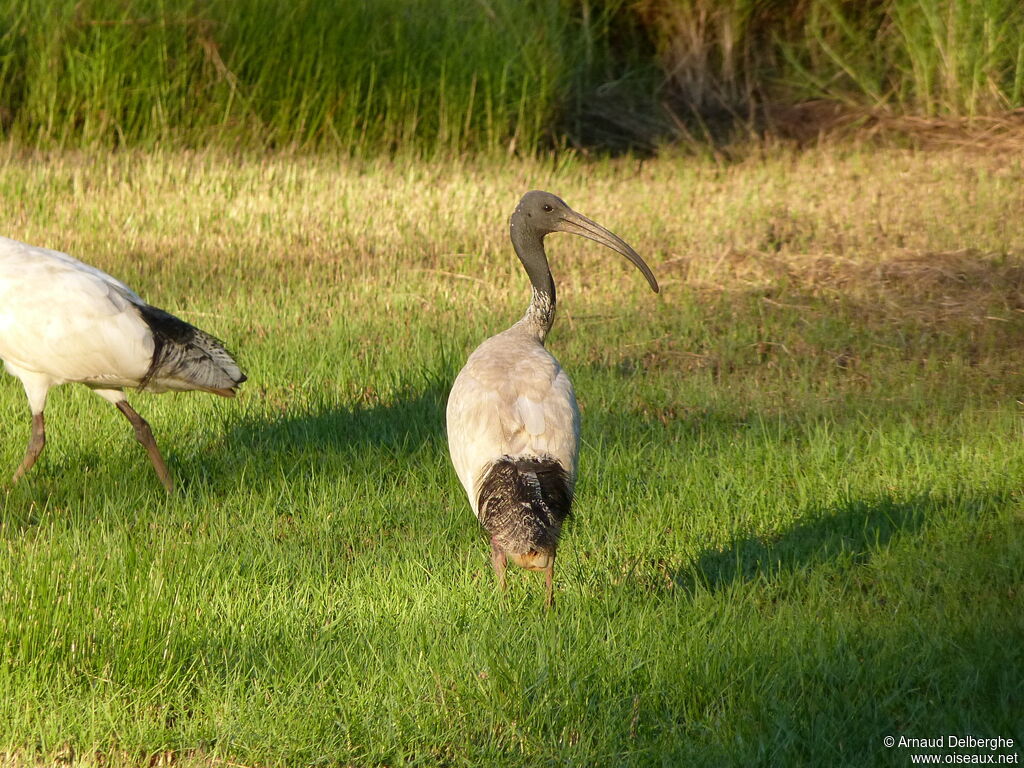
(548, 208)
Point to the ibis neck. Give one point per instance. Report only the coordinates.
(540, 314)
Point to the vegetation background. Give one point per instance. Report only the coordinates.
(800, 524)
(368, 76)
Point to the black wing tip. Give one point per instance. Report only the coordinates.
(164, 324)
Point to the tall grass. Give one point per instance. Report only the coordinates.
(442, 78)
(361, 76)
(708, 50)
(935, 57)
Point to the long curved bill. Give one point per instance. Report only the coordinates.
(577, 224)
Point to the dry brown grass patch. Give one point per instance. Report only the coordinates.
(812, 122)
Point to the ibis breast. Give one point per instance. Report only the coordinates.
(70, 321)
(512, 398)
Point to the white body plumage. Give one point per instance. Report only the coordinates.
(511, 399)
(62, 320)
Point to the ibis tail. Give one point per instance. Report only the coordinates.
(523, 502)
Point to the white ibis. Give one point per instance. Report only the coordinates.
(64, 321)
(513, 423)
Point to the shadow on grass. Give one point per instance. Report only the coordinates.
(258, 450)
(852, 535)
(411, 419)
(325, 437)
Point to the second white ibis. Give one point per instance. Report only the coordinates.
(64, 321)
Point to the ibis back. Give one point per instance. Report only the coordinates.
(512, 404)
(68, 321)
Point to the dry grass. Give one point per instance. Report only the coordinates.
(813, 122)
(920, 251)
(935, 238)
(863, 207)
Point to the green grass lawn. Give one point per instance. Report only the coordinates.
(798, 526)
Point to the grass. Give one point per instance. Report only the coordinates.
(497, 77)
(925, 57)
(361, 77)
(798, 526)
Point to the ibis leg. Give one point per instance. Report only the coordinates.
(36, 443)
(549, 581)
(145, 436)
(499, 560)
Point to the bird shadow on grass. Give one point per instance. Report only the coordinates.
(851, 534)
(325, 433)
